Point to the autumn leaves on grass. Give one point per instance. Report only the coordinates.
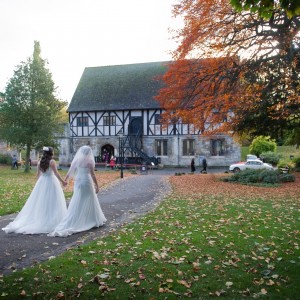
(103, 180)
(210, 184)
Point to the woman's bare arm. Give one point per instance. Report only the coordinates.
(53, 167)
(94, 179)
(38, 170)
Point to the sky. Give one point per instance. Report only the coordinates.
(75, 34)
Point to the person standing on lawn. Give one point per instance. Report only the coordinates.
(15, 162)
(84, 211)
(46, 205)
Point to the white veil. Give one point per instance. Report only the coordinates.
(83, 158)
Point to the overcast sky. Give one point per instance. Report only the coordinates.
(75, 34)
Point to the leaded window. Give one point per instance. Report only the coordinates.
(161, 147)
(188, 147)
(82, 121)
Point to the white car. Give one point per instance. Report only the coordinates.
(252, 156)
(250, 164)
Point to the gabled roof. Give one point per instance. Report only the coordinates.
(119, 87)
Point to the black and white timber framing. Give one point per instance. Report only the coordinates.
(114, 100)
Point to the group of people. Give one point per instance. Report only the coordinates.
(204, 165)
(46, 211)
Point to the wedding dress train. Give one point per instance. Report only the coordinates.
(43, 210)
(84, 211)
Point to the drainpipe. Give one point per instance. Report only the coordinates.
(178, 150)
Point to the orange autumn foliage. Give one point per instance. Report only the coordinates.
(223, 66)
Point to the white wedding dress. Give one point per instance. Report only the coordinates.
(84, 211)
(43, 210)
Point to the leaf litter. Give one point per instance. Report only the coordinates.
(208, 239)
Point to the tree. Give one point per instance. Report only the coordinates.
(230, 63)
(277, 109)
(29, 112)
(63, 114)
(265, 8)
(262, 144)
(293, 137)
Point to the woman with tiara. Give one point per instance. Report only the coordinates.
(84, 211)
(46, 205)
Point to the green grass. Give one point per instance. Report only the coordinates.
(15, 187)
(210, 246)
(204, 248)
(285, 151)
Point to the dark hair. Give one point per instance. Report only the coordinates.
(45, 160)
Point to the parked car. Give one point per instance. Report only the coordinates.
(252, 156)
(250, 164)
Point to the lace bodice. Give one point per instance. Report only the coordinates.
(83, 174)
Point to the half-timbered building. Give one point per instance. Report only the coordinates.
(114, 104)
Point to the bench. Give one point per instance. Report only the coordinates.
(284, 170)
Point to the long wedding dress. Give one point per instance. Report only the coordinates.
(84, 211)
(43, 210)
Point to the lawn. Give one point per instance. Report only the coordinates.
(285, 151)
(208, 239)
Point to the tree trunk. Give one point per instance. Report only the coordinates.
(27, 164)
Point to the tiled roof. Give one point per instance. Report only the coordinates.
(119, 87)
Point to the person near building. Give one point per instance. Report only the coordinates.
(204, 165)
(112, 162)
(193, 168)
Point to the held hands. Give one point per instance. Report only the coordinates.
(97, 189)
(65, 181)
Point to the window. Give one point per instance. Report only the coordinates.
(161, 147)
(109, 120)
(217, 147)
(157, 119)
(82, 121)
(188, 147)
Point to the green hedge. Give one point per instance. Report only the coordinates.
(5, 159)
(260, 176)
(271, 157)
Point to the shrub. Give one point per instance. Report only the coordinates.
(285, 163)
(287, 177)
(296, 161)
(262, 144)
(270, 157)
(260, 176)
(5, 159)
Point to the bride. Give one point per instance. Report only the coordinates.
(46, 205)
(84, 211)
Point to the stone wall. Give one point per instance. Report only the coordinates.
(232, 154)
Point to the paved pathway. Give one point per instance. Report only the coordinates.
(121, 202)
